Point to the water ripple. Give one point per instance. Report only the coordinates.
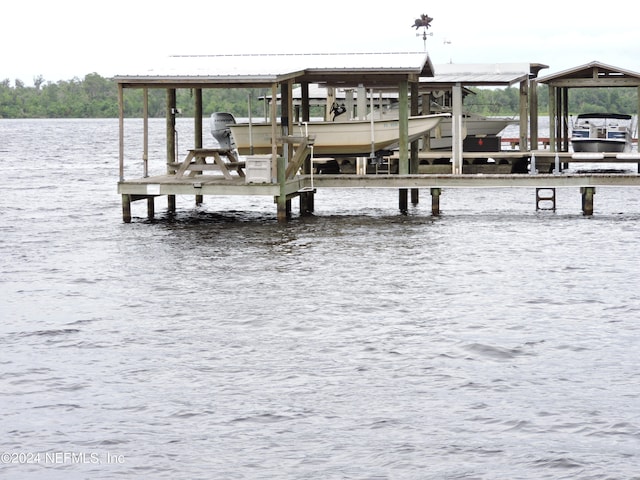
(491, 342)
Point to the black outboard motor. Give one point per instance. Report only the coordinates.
(337, 109)
(220, 130)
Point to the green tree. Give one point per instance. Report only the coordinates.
(97, 97)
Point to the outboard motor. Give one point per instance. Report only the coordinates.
(220, 130)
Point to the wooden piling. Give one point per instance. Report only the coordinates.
(306, 203)
(284, 206)
(403, 200)
(171, 141)
(126, 208)
(435, 201)
(414, 161)
(587, 199)
(151, 210)
(197, 140)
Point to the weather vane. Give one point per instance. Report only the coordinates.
(423, 22)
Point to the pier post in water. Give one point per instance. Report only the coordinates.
(306, 203)
(171, 141)
(414, 160)
(197, 127)
(435, 201)
(587, 199)
(403, 200)
(284, 206)
(126, 208)
(151, 207)
(403, 152)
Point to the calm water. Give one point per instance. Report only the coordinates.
(492, 342)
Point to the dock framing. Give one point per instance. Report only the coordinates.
(304, 186)
(287, 175)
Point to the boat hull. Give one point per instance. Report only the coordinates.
(337, 138)
(441, 136)
(594, 145)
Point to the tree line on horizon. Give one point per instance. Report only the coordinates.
(97, 97)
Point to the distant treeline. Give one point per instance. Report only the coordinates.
(96, 97)
(506, 101)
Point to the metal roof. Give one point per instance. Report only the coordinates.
(445, 74)
(489, 74)
(593, 74)
(261, 69)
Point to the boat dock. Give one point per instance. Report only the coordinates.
(289, 172)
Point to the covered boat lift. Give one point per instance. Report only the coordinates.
(591, 75)
(408, 73)
(455, 77)
(454, 80)
(278, 73)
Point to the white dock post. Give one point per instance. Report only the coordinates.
(556, 170)
(532, 167)
(456, 127)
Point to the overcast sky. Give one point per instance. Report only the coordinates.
(71, 38)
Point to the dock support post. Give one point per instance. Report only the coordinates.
(587, 199)
(403, 150)
(306, 203)
(414, 160)
(171, 141)
(197, 128)
(126, 208)
(151, 210)
(415, 196)
(403, 200)
(435, 201)
(556, 169)
(284, 206)
(456, 129)
(533, 170)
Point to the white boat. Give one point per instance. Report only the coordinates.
(602, 132)
(352, 138)
(472, 125)
(385, 106)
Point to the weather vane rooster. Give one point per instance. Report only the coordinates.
(423, 22)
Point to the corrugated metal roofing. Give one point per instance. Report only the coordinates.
(587, 71)
(480, 73)
(273, 67)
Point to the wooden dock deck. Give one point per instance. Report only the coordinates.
(305, 186)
